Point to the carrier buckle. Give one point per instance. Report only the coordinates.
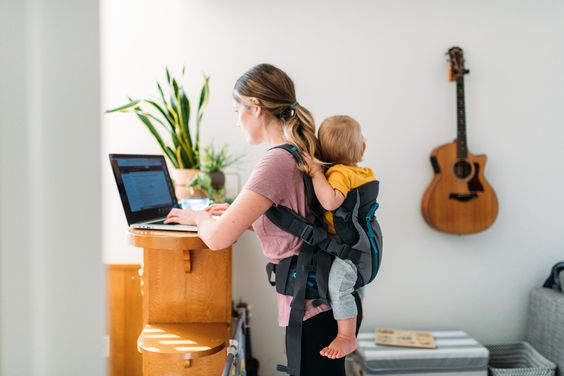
(313, 235)
(344, 214)
(270, 270)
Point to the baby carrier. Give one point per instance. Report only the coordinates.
(306, 275)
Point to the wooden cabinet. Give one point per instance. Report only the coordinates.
(125, 320)
(186, 304)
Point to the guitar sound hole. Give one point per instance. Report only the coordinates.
(462, 169)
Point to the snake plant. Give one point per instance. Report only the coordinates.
(170, 114)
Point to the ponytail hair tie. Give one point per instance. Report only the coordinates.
(288, 112)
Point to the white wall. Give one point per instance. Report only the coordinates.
(51, 274)
(382, 62)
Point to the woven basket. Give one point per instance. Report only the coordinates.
(518, 359)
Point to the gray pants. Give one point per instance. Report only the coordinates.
(342, 279)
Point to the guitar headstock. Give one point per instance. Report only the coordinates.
(456, 60)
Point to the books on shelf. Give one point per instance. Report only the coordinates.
(404, 338)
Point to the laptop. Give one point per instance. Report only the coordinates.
(146, 191)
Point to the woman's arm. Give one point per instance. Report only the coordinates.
(223, 232)
(217, 210)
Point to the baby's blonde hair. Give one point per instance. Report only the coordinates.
(341, 140)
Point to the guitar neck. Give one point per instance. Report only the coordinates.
(461, 145)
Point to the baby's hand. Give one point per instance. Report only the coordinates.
(313, 164)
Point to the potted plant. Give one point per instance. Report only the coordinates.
(202, 182)
(170, 115)
(214, 161)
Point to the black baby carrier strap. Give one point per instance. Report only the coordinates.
(306, 276)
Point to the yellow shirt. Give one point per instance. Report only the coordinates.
(346, 178)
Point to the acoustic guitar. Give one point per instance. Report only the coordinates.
(459, 200)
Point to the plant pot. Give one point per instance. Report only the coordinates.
(181, 178)
(217, 179)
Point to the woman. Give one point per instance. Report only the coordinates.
(268, 113)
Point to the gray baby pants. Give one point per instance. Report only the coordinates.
(342, 279)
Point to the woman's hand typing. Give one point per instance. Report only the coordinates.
(187, 216)
(217, 209)
(183, 216)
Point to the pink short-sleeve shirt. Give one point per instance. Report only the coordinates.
(277, 177)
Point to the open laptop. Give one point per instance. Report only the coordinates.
(146, 191)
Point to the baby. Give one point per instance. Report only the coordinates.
(342, 145)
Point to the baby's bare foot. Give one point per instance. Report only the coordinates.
(340, 347)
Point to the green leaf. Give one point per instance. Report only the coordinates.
(179, 157)
(204, 98)
(160, 109)
(155, 134)
(189, 163)
(185, 111)
(175, 87)
(126, 107)
(151, 128)
(175, 140)
(170, 154)
(161, 92)
(152, 117)
(184, 131)
(174, 98)
(172, 112)
(173, 106)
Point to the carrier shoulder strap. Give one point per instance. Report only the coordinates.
(313, 203)
(289, 221)
(297, 311)
(308, 260)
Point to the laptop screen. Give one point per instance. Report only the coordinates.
(144, 186)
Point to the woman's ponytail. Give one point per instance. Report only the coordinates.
(299, 130)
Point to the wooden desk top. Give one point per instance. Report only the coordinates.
(186, 341)
(167, 240)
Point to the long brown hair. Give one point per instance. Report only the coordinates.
(276, 94)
